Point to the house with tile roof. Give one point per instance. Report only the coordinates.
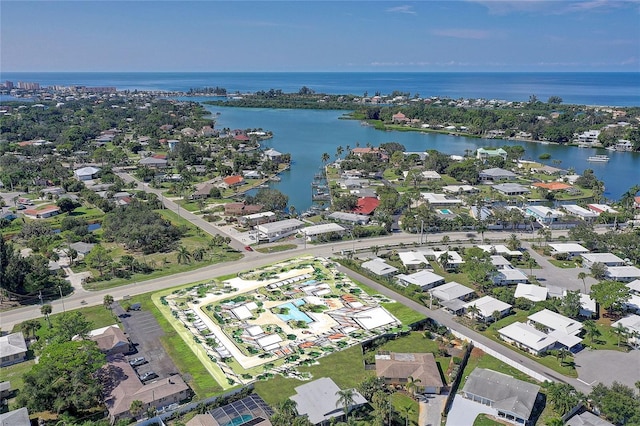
(396, 369)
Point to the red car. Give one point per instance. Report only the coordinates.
(248, 248)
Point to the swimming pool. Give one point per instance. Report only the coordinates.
(445, 211)
(294, 314)
(239, 420)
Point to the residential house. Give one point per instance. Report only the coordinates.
(513, 399)
(511, 189)
(460, 189)
(19, 417)
(631, 324)
(313, 232)
(399, 368)
(565, 330)
(601, 208)
(241, 209)
(588, 137)
(585, 418)
(430, 175)
(500, 249)
(486, 306)
(252, 409)
(13, 349)
(377, 152)
(319, 401)
(351, 218)
(423, 279)
(273, 155)
(399, 118)
(452, 296)
(276, 230)
(581, 212)
(483, 154)
(125, 387)
(440, 200)
(624, 274)
(527, 338)
(366, 205)
(607, 259)
(379, 267)
(111, 340)
(570, 249)
(188, 131)
(449, 260)
(496, 174)
(5, 390)
(154, 163)
(413, 260)
(257, 218)
(232, 181)
(500, 262)
(532, 292)
(86, 173)
(508, 276)
(43, 212)
(553, 186)
(82, 248)
(543, 214)
(202, 191)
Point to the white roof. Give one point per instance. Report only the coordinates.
(587, 303)
(254, 330)
(422, 278)
(432, 198)
(86, 171)
(258, 215)
(412, 258)
(533, 292)
(498, 260)
(499, 249)
(281, 225)
(527, 336)
(488, 305)
(322, 229)
(510, 274)
(623, 272)
(454, 256)
(556, 321)
(374, 318)
(631, 323)
(450, 291)
(379, 267)
(602, 257)
(242, 312)
(568, 248)
(269, 341)
(251, 305)
(568, 340)
(579, 211)
(458, 188)
(431, 174)
(634, 285)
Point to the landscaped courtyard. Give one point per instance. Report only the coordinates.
(276, 318)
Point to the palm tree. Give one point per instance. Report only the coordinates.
(482, 228)
(444, 259)
(46, 310)
(136, 407)
(620, 331)
(582, 276)
(325, 157)
(183, 255)
(406, 411)
(345, 399)
(107, 301)
(513, 243)
(198, 254)
(30, 327)
(591, 329)
(473, 310)
(412, 385)
(562, 354)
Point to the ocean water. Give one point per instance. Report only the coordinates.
(615, 89)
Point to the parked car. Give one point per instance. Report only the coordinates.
(248, 248)
(137, 361)
(149, 375)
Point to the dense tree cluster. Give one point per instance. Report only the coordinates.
(138, 227)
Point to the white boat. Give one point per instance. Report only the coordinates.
(598, 159)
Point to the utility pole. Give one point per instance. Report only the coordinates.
(61, 298)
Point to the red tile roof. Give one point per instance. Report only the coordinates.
(366, 205)
(233, 180)
(552, 186)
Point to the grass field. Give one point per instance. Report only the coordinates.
(484, 420)
(275, 249)
(14, 373)
(405, 407)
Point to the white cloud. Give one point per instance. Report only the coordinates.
(402, 9)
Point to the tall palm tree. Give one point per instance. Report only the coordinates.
(183, 255)
(46, 311)
(591, 329)
(582, 276)
(473, 310)
(407, 411)
(107, 301)
(412, 385)
(325, 157)
(345, 399)
(198, 254)
(563, 354)
(620, 331)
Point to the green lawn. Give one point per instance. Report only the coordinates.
(405, 315)
(401, 403)
(484, 420)
(14, 373)
(275, 249)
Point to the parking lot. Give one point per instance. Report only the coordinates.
(145, 332)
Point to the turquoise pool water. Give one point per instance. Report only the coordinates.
(294, 314)
(446, 211)
(239, 420)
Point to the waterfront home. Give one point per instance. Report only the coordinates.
(318, 400)
(581, 212)
(622, 273)
(527, 338)
(232, 181)
(571, 250)
(273, 155)
(496, 174)
(352, 218)
(241, 208)
(553, 186)
(607, 259)
(352, 183)
(486, 307)
(13, 349)
(86, 173)
(483, 154)
(588, 137)
(375, 151)
(276, 230)
(513, 399)
(424, 279)
(511, 189)
(313, 232)
(366, 205)
(399, 118)
(398, 369)
(439, 200)
(379, 267)
(532, 292)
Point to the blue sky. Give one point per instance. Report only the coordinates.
(424, 36)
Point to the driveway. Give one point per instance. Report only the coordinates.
(562, 277)
(145, 332)
(431, 410)
(608, 366)
(464, 411)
